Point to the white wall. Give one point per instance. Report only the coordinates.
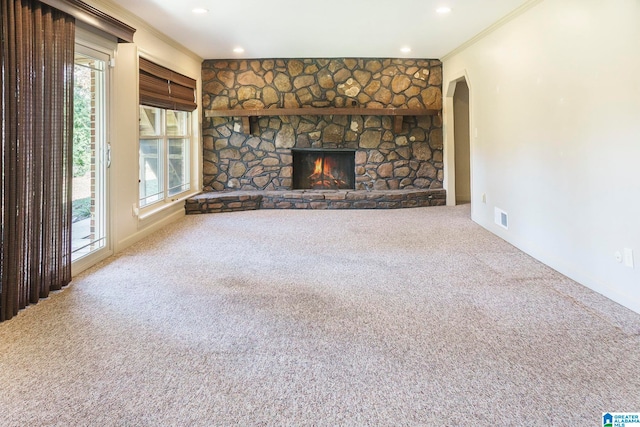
(555, 100)
(128, 228)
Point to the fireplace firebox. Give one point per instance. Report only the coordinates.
(323, 169)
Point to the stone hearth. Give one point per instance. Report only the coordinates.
(233, 201)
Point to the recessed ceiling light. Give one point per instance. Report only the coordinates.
(405, 49)
(442, 10)
(200, 10)
(238, 50)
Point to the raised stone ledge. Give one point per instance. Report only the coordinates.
(231, 201)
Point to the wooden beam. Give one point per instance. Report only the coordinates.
(324, 111)
(246, 125)
(397, 123)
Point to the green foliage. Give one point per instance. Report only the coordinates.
(81, 122)
(81, 209)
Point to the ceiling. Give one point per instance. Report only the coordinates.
(320, 29)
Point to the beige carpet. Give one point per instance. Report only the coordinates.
(299, 318)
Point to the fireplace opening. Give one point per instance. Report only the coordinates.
(318, 169)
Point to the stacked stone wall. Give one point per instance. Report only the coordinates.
(262, 160)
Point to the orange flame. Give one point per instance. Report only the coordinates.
(322, 176)
(318, 166)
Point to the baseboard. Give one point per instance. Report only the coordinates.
(149, 229)
(568, 269)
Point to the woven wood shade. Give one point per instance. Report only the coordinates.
(163, 88)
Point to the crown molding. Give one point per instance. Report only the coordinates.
(490, 29)
(96, 18)
(140, 23)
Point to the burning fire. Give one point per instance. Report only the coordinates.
(322, 176)
(318, 167)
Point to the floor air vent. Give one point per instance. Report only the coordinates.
(501, 218)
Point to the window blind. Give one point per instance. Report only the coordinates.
(160, 87)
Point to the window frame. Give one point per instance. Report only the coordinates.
(164, 139)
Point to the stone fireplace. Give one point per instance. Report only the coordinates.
(257, 153)
(323, 169)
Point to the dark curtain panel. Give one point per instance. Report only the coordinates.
(36, 65)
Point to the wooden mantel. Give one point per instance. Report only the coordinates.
(397, 113)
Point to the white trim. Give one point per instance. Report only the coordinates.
(104, 49)
(81, 264)
(449, 139)
(162, 206)
(150, 229)
(167, 200)
(566, 267)
(137, 22)
(499, 23)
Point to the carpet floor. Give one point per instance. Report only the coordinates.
(412, 317)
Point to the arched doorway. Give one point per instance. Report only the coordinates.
(462, 143)
(457, 142)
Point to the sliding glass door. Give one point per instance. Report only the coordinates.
(90, 154)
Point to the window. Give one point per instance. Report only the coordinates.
(90, 153)
(167, 100)
(165, 137)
